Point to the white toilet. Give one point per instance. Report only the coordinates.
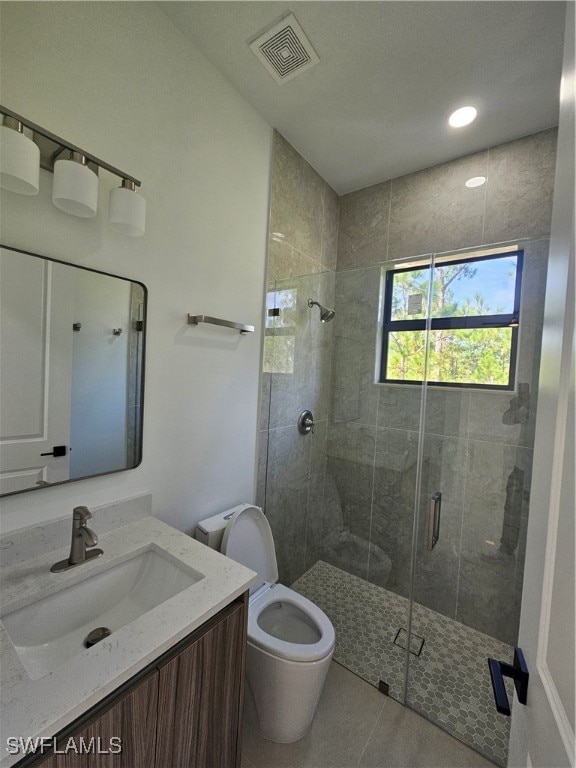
(290, 640)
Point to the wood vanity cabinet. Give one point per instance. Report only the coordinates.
(132, 719)
(184, 711)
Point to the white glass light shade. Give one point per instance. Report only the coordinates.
(127, 211)
(75, 189)
(19, 162)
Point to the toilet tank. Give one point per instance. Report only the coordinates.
(211, 530)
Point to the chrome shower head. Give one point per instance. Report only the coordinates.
(325, 314)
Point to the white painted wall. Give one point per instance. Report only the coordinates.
(119, 80)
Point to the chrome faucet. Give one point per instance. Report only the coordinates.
(82, 538)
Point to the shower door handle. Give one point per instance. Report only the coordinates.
(518, 672)
(434, 519)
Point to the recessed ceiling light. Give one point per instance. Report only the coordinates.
(462, 116)
(476, 181)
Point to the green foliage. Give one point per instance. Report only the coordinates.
(279, 354)
(470, 356)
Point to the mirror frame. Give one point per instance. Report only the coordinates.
(143, 375)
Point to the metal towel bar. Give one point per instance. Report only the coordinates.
(197, 319)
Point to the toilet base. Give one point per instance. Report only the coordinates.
(281, 696)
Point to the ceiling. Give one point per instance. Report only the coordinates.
(390, 73)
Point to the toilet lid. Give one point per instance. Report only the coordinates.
(248, 540)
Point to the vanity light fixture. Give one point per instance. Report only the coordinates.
(127, 209)
(19, 159)
(75, 186)
(463, 116)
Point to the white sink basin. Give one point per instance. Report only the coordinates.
(50, 631)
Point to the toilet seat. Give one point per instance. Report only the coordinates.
(248, 540)
(277, 594)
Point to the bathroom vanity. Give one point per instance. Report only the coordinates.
(183, 711)
(164, 688)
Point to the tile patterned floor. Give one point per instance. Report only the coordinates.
(449, 681)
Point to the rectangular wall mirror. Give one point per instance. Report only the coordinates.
(72, 345)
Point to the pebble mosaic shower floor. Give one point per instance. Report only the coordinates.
(449, 680)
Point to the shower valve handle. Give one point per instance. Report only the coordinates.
(306, 423)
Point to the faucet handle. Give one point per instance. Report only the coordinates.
(82, 514)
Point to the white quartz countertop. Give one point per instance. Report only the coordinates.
(42, 707)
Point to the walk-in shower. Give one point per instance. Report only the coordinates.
(403, 515)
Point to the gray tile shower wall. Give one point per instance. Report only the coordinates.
(364, 224)
(431, 211)
(520, 187)
(304, 215)
(478, 445)
(354, 396)
(302, 255)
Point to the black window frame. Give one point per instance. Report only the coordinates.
(509, 320)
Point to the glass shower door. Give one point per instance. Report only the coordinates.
(476, 454)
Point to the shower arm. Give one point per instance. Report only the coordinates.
(325, 314)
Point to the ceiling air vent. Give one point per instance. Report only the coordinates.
(285, 50)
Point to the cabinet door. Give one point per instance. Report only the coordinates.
(200, 699)
(132, 720)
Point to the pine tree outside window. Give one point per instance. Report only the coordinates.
(474, 319)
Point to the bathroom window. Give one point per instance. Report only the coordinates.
(474, 317)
